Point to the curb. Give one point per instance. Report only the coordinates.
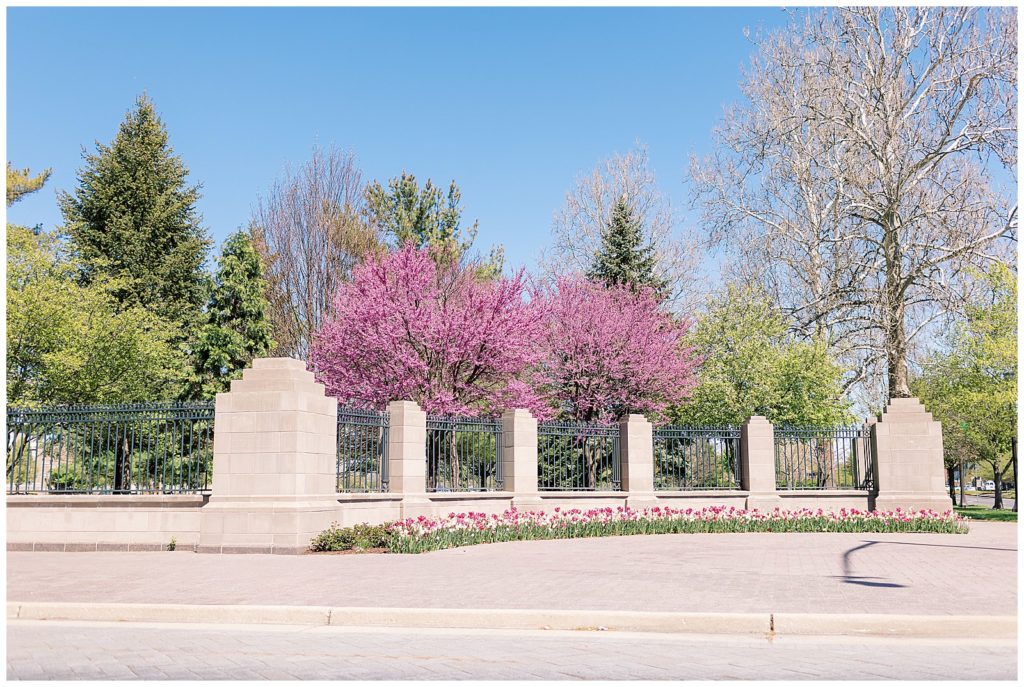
(765, 624)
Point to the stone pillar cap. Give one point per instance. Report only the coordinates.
(278, 364)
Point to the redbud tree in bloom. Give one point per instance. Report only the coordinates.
(611, 351)
(406, 328)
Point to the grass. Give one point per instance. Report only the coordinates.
(986, 513)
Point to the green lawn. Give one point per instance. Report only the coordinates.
(986, 513)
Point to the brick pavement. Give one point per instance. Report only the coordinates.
(102, 651)
(799, 573)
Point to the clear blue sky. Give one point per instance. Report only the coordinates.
(511, 103)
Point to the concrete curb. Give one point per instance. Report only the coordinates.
(764, 624)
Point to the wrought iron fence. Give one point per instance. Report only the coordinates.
(691, 458)
(578, 457)
(362, 450)
(463, 454)
(164, 448)
(823, 458)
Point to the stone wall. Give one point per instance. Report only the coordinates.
(275, 466)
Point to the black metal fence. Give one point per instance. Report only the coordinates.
(578, 457)
(696, 458)
(823, 458)
(163, 448)
(463, 454)
(362, 450)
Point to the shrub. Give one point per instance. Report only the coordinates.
(361, 536)
(67, 480)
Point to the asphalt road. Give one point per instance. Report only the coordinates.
(986, 501)
(39, 650)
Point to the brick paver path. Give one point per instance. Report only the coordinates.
(801, 573)
(102, 651)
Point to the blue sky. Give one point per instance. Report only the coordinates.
(511, 103)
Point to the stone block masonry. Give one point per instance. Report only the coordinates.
(274, 467)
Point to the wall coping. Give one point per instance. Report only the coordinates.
(582, 495)
(822, 492)
(106, 500)
(469, 495)
(359, 496)
(701, 493)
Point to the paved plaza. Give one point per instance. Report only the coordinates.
(725, 573)
(98, 651)
(911, 574)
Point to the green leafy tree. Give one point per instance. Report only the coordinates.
(427, 217)
(73, 343)
(751, 366)
(237, 328)
(21, 182)
(623, 258)
(972, 387)
(133, 218)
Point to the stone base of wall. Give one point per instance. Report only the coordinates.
(147, 523)
(828, 500)
(914, 501)
(103, 523)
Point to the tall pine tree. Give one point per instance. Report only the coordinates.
(428, 218)
(237, 328)
(133, 217)
(623, 258)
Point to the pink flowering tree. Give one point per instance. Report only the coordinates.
(610, 352)
(406, 328)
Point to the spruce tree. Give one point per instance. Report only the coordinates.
(237, 327)
(623, 258)
(133, 217)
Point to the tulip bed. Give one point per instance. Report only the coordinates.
(418, 535)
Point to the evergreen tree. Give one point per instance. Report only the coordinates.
(20, 182)
(133, 218)
(237, 327)
(428, 218)
(623, 258)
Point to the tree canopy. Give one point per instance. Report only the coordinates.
(408, 328)
(237, 328)
(858, 179)
(21, 182)
(752, 366)
(624, 258)
(133, 219)
(74, 343)
(971, 387)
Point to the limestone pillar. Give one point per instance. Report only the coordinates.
(909, 471)
(407, 456)
(274, 464)
(636, 456)
(757, 464)
(519, 458)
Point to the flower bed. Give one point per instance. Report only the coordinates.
(418, 535)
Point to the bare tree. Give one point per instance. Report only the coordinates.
(580, 223)
(310, 231)
(856, 181)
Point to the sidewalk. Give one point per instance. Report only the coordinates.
(908, 574)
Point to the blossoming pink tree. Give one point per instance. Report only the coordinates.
(405, 328)
(612, 352)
